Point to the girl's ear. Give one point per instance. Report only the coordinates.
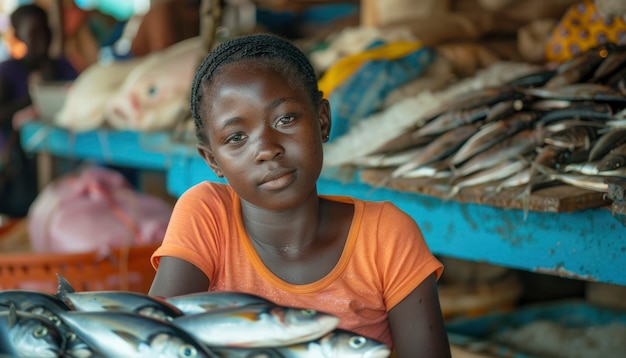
(206, 154)
(324, 119)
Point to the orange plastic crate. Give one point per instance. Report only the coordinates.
(126, 269)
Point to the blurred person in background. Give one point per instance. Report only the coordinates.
(18, 171)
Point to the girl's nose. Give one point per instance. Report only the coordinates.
(269, 147)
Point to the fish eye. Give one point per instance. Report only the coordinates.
(40, 332)
(54, 319)
(357, 342)
(308, 312)
(152, 90)
(71, 336)
(187, 350)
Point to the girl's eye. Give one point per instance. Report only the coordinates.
(235, 138)
(286, 120)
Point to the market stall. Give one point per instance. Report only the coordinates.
(563, 215)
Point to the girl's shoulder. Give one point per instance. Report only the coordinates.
(208, 191)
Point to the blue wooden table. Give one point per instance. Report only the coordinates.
(588, 244)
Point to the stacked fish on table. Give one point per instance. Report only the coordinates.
(565, 125)
(131, 324)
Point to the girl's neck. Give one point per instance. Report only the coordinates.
(287, 231)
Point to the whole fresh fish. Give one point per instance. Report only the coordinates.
(492, 133)
(25, 334)
(535, 79)
(265, 325)
(130, 335)
(604, 144)
(579, 68)
(438, 149)
(515, 146)
(437, 170)
(155, 93)
(579, 92)
(497, 172)
(506, 108)
(572, 137)
(127, 301)
(476, 98)
(388, 159)
(407, 139)
(338, 343)
(612, 164)
(550, 104)
(453, 119)
(601, 112)
(614, 61)
(583, 181)
(50, 307)
(212, 300)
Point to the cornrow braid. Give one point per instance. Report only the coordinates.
(267, 49)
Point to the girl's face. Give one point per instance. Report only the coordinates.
(265, 135)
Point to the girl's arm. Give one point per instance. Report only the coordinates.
(177, 277)
(417, 324)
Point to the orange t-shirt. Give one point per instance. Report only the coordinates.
(385, 257)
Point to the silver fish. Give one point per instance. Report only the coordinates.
(492, 133)
(25, 334)
(612, 164)
(453, 119)
(127, 334)
(388, 159)
(511, 147)
(208, 301)
(584, 181)
(579, 67)
(572, 137)
(497, 172)
(611, 63)
(116, 301)
(606, 142)
(48, 306)
(437, 170)
(338, 343)
(578, 92)
(266, 325)
(600, 112)
(440, 148)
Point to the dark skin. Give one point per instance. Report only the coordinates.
(265, 137)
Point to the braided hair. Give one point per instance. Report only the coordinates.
(268, 50)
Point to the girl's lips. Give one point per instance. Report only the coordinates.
(278, 180)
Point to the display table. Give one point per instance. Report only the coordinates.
(587, 244)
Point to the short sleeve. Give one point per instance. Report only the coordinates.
(405, 259)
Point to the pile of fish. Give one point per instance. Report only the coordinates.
(131, 324)
(563, 125)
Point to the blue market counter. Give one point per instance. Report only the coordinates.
(587, 244)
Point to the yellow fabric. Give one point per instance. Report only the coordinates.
(582, 28)
(345, 67)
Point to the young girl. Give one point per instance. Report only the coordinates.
(261, 121)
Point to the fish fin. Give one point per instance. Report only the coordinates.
(64, 287)
(12, 315)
